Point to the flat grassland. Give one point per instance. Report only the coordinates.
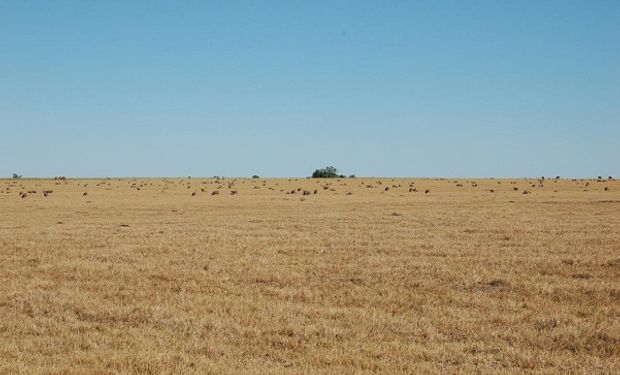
(366, 275)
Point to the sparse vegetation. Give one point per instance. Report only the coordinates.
(309, 276)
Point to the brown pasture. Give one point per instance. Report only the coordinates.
(259, 276)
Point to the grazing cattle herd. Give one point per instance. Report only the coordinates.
(236, 186)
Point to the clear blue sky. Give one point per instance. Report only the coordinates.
(279, 88)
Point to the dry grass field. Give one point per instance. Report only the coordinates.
(153, 276)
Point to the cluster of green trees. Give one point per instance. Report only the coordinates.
(328, 172)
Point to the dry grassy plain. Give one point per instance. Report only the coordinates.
(459, 280)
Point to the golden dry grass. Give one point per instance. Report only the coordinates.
(160, 280)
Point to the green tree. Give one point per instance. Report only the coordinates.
(327, 172)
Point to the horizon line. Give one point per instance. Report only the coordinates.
(557, 177)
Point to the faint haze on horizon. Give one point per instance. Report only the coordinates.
(280, 88)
